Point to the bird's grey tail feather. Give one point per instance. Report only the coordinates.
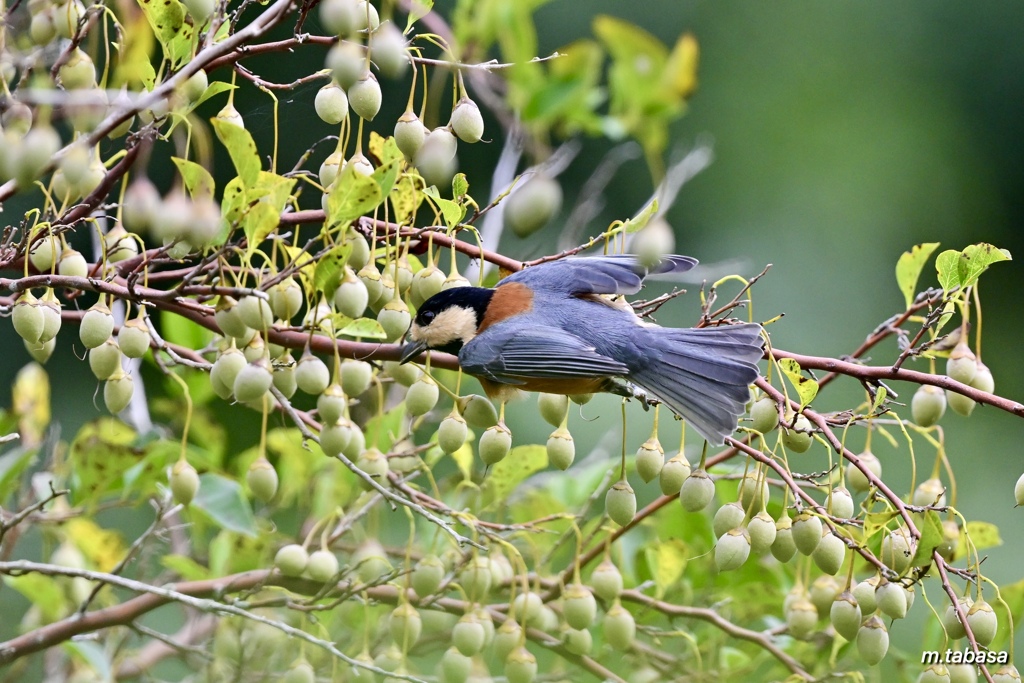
(703, 375)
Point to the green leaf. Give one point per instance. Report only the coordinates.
(352, 196)
(185, 567)
(506, 475)
(101, 451)
(876, 521)
(806, 388)
(666, 560)
(381, 430)
(180, 330)
(260, 220)
(975, 259)
(460, 186)
(367, 328)
(908, 268)
(167, 17)
(983, 535)
(198, 180)
(92, 654)
(231, 553)
(212, 90)
(386, 174)
(639, 221)
(406, 199)
(241, 149)
(417, 10)
(931, 538)
(451, 211)
(12, 465)
(329, 268)
(42, 591)
(221, 499)
(880, 395)
(947, 265)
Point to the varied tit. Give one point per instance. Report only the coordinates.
(556, 328)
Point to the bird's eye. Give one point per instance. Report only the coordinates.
(428, 316)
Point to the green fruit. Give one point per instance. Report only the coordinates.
(934, 673)
(395, 319)
(983, 380)
(478, 412)
(291, 560)
(753, 492)
(732, 549)
(764, 415)
(105, 360)
(468, 635)
(28, 319)
(262, 480)
(455, 666)
(898, 548)
(520, 666)
(200, 10)
(312, 375)
(253, 382)
(1018, 491)
(184, 482)
(806, 532)
(951, 621)
(78, 72)
(72, 264)
(553, 408)
(427, 575)
(801, 619)
(322, 565)
(226, 368)
(967, 673)
(830, 553)
(620, 503)
(255, 312)
(141, 205)
(285, 298)
(532, 205)
(331, 104)
(697, 491)
(650, 458)
(619, 627)
(422, 396)
(983, 622)
(454, 280)
(371, 562)
(950, 540)
(45, 252)
(229, 321)
(845, 616)
(356, 376)
(351, 297)
(467, 122)
(117, 391)
(673, 474)
(426, 283)
(41, 352)
(405, 626)
(960, 404)
(856, 480)
(452, 433)
(41, 29)
(891, 600)
(561, 448)
(329, 170)
(606, 581)
(476, 578)
(578, 606)
(410, 134)
(962, 364)
(301, 672)
(728, 517)
(367, 18)
(578, 642)
(1006, 674)
(331, 404)
(360, 164)
(36, 150)
(50, 308)
(120, 244)
(356, 441)
(495, 444)
(784, 547)
(388, 50)
(339, 16)
(930, 492)
(841, 503)
(373, 463)
(799, 438)
(195, 87)
(440, 145)
(347, 62)
(872, 641)
(133, 338)
(364, 97)
(96, 327)
(762, 532)
(864, 593)
(506, 638)
(928, 405)
(528, 607)
(823, 592)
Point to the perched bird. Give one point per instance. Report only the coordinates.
(558, 328)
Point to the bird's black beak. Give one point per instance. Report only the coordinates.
(411, 350)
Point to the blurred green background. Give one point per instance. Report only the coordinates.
(844, 133)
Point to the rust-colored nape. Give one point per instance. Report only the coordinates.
(508, 300)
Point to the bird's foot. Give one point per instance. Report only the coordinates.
(630, 390)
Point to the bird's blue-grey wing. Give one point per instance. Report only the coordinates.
(618, 274)
(508, 353)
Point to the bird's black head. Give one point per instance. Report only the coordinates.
(447, 320)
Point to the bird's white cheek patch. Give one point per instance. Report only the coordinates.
(452, 324)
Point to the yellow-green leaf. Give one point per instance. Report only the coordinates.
(520, 463)
(391, 162)
(241, 149)
(417, 10)
(666, 560)
(101, 451)
(908, 268)
(366, 328)
(352, 196)
(198, 180)
(260, 220)
(640, 221)
(460, 186)
(983, 535)
(166, 17)
(806, 388)
(947, 265)
(451, 211)
(406, 198)
(102, 547)
(975, 259)
(42, 591)
(185, 567)
(931, 538)
(31, 403)
(329, 267)
(222, 501)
